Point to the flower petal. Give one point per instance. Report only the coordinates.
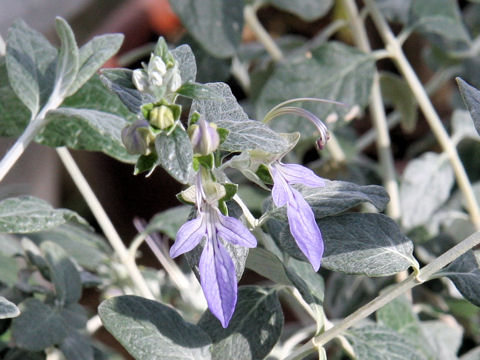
(189, 236)
(219, 282)
(232, 230)
(305, 230)
(281, 191)
(298, 174)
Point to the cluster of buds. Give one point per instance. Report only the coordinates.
(158, 78)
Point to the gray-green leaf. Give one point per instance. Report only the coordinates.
(336, 197)
(76, 347)
(440, 18)
(471, 98)
(87, 248)
(8, 270)
(8, 309)
(308, 10)
(216, 24)
(150, 330)
(368, 244)
(465, 274)
(31, 62)
(265, 263)
(374, 342)
(86, 129)
(68, 59)
(63, 273)
(26, 214)
(175, 154)
(244, 134)
(39, 326)
(426, 185)
(169, 221)
(254, 329)
(332, 71)
(93, 55)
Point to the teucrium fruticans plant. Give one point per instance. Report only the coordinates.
(248, 203)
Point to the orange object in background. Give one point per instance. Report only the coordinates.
(161, 17)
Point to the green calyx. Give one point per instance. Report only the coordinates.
(162, 114)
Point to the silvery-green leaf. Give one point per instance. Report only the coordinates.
(396, 91)
(444, 338)
(86, 129)
(465, 274)
(268, 265)
(8, 270)
(426, 185)
(175, 154)
(216, 24)
(31, 62)
(197, 91)
(76, 347)
(336, 197)
(26, 214)
(308, 10)
(10, 245)
(462, 125)
(8, 309)
(253, 330)
(169, 221)
(93, 55)
(398, 315)
(63, 273)
(374, 342)
(120, 82)
(150, 330)
(310, 285)
(185, 59)
(440, 18)
(67, 64)
(38, 326)
(471, 97)
(393, 10)
(87, 248)
(244, 134)
(14, 115)
(332, 71)
(368, 244)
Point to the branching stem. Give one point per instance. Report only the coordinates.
(424, 274)
(395, 49)
(104, 222)
(377, 111)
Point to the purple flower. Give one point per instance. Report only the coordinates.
(300, 216)
(217, 271)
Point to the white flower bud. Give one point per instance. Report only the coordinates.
(175, 81)
(156, 70)
(140, 80)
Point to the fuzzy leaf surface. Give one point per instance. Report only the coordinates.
(426, 185)
(253, 330)
(25, 214)
(216, 24)
(150, 330)
(244, 134)
(334, 71)
(8, 309)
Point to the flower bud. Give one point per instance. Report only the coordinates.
(137, 137)
(161, 117)
(175, 81)
(156, 70)
(204, 137)
(140, 80)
